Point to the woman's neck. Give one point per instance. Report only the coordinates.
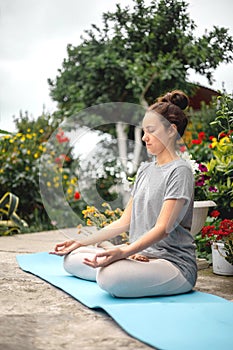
(166, 157)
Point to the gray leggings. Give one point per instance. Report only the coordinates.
(128, 278)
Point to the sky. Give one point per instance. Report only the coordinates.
(35, 34)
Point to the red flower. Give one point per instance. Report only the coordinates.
(182, 148)
(215, 213)
(201, 135)
(67, 159)
(226, 225)
(222, 134)
(61, 138)
(77, 196)
(207, 230)
(196, 142)
(211, 138)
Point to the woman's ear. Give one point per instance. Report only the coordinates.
(173, 129)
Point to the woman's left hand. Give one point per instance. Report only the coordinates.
(105, 258)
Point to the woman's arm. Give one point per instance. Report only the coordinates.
(167, 218)
(165, 222)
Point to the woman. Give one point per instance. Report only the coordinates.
(160, 259)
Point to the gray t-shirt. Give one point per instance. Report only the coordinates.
(154, 184)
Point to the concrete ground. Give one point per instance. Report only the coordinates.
(38, 316)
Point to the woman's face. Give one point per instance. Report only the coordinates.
(156, 136)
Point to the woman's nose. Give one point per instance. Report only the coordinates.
(145, 137)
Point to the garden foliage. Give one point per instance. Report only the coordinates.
(215, 153)
(20, 155)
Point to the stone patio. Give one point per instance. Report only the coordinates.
(38, 316)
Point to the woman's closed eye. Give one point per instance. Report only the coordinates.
(149, 129)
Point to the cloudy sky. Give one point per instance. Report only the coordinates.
(34, 36)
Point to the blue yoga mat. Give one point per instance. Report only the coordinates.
(184, 322)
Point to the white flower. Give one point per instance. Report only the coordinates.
(126, 185)
(192, 162)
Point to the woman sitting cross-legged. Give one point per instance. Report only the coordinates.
(160, 257)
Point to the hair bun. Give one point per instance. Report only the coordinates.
(176, 97)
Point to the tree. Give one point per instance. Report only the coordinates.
(136, 56)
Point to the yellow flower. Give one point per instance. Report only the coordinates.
(22, 139)
(28, 130)
(36, 155)
(27, 168)
(91, 209)
(1, 171)
(65, 177)
(224, 140)
(41, 131)
(41, 148)
(104, 223)
(28, 152)
(19, 134)
(11, 140)
(29, 136)
(73, 181)
(69, 190)
(48, 183)
(214, 142)
(109, 212)
(89, 222)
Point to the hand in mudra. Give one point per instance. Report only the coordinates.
(139, 257)
(65, 247)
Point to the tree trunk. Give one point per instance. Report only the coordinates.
(122, 144)
(137, 148)
(122, 139)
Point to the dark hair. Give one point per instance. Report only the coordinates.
(171, 107)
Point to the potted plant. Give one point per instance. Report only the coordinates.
(216, 240)
(214, 166)
(203, 189)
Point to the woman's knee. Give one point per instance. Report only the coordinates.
(68, 263)
(110, 279)
(75, 259)
(73, 264)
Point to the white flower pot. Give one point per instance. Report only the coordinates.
(200, 211)
(220, 265)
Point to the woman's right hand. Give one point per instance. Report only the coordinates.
(65, 247)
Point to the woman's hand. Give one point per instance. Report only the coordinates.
(139, 257)
(105, 258)
(65, 247)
